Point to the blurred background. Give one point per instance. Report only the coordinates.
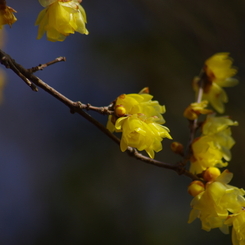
(61, 180)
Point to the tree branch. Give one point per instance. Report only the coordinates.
(78, 107)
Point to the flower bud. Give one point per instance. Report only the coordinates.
(120, 110)
(211, 174)
(195, 188)
(144, 91)
(177, 148)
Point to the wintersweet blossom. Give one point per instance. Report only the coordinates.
(142, 133)
(139, 119)
(60, 18)
(205, 154)
(129, 104)
(213, 205)
(238, 229)
(218, 72)
(213, 124)
(141, 103)
(7, 16)
(214, 145)
(195, 109)
(219, 128)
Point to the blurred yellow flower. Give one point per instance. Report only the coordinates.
(238, 230)
(219, 128)
(214, 145)
(61, 18)
(216, 202)
(218, 73)
(6, 15)
(213, 124)
(195, 109)
(142, 133)
(205, 154)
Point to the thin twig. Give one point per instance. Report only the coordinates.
(78, 107)
(42, 66)
(105, 110)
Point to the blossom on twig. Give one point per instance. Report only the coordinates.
(195, 109)
(139, 119)
(61, 18)
(142, 133)
(218, 73)
(213, 205)
(214, 145)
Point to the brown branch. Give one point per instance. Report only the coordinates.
(78, 107)
(9, 63)
(42, 66)
(105, 110)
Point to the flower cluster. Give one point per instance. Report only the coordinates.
(139, 119)
(217, 73)
(217, 203)
(60, 18)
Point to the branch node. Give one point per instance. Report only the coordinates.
(76, 106)
(87, 106)
(180, 170)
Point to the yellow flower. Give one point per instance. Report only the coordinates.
(195, 109)
(139, 118)
(142, 133)
(61, 18)
(129, 104)
(218, 73)
(214, 144)
(205, 154)
(216, 202)
(141, 103)
(238, 230)
(6, 15)
(219, 128)
(213, 124)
